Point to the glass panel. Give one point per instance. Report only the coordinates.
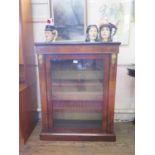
(77, 93)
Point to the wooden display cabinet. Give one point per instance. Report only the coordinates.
(77, 82)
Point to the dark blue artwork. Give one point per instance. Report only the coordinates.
(69, 19)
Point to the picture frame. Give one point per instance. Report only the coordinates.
(70, 19)
(43, 14)
(132, 11)
(117, 12)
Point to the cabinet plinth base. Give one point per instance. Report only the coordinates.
(77, 137)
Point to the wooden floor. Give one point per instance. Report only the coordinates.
(124, 144)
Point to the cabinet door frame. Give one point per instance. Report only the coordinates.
(106, 60)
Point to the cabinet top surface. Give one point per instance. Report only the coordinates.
(75, 43)
(78, 47)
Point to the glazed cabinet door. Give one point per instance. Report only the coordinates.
(77, 92)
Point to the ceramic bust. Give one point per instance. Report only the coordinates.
(92, 33)
(51, 32)
(107, 31)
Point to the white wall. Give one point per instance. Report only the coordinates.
(125, 87)
(125, 97)
(127, 52)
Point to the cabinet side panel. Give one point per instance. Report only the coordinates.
(112, 87)
(43, 93)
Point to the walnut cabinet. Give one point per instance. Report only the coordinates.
(77, 87)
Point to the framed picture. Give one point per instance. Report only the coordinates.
(132, 10)
(69, 18)
(118, 12)
(40, 10)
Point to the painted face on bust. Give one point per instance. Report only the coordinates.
(105, 33)
(92, 33)
(49, 35)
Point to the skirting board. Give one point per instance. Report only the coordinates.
(124, 115)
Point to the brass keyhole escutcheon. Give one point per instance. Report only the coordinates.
(113, 59)
(40, 58)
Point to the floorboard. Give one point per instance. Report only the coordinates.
(124, 144)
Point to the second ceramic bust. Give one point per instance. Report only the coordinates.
(105, 33)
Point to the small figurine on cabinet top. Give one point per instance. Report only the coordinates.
(92, 33)
(51, 32)
(107, 31)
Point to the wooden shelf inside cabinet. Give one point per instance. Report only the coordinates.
(77, 82)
